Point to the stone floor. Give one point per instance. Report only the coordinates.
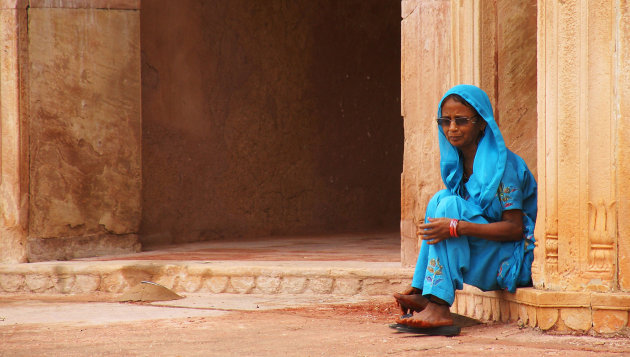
(260, 325)
(368, 247)
(292, 278)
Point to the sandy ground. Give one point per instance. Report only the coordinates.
(225, 325)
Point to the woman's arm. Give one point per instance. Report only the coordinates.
(509, 229)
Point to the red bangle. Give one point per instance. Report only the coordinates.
(453, 228)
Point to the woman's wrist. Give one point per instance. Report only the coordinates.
(453, 228)
(461, 228)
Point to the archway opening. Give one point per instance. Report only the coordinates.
(270, 118)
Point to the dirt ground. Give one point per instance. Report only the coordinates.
(355, 329)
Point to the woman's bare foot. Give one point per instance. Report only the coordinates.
(411, 303)
(410, 300)
(410, 290)
(433, 315)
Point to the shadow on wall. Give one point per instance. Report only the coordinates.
(270, 118)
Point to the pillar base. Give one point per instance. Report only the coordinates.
(564, 312)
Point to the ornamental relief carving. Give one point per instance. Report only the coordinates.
(551, 251)
(602, 230)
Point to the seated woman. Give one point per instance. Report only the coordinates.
(480, 229)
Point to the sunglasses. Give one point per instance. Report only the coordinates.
(461, 121)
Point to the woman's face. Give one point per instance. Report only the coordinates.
(461, 136)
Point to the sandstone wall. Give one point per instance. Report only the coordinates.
(71, 129)
(515, 105)
(14, 190)
(269, 118)
(85, 122)
(85, 131)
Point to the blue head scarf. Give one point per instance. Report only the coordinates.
(490, 160)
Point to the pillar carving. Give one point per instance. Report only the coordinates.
(583, 174)
(602, 231)
(577, 147)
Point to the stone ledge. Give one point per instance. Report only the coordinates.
(114, 277)
(566, 312)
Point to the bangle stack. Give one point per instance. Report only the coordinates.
(453, 228)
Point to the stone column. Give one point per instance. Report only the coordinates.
(426, 27)
(581, 268)
(71, 129)
(14, 197)
(582, 235)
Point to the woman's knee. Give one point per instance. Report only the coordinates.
(449, 206)
(435, 201)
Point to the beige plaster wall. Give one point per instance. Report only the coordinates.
(269, 118)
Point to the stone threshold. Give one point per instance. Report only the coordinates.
(265, 277)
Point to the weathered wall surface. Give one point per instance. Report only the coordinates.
(85, 130)
(85, 127)
(494, 47)
(515, 105)
(269, 118)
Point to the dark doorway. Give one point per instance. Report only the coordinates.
(270, 118)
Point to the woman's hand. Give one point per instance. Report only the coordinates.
(435, 231)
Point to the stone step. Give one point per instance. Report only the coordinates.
(244, 277)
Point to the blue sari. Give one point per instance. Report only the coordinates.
(500, 181)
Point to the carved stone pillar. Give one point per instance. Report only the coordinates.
(71, 128)
(583, 170)
(582, 83)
